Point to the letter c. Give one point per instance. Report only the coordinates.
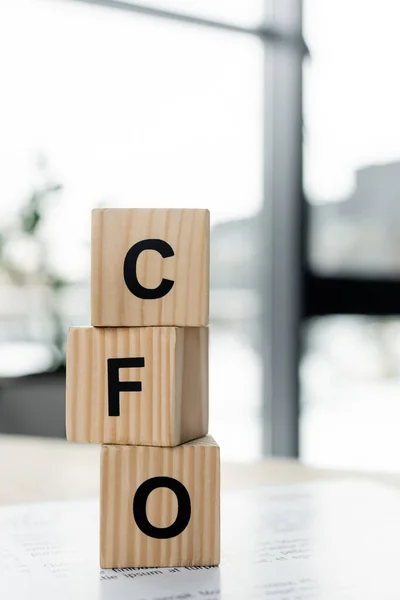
(130, 269)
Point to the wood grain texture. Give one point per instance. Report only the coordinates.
(115, 231)
(172, 407)
(123, 469)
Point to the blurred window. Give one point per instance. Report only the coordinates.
(350, 372)
(104, 107)
(352, 136)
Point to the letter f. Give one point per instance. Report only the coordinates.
(115, 386)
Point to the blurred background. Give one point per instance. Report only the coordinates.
(281, 116)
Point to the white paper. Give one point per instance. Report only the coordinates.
(319, 541)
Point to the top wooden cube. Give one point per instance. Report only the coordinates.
(150, 267)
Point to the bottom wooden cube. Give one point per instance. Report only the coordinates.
(160, 507)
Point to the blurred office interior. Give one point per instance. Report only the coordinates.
(282, 118)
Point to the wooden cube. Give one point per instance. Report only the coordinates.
(160, 507)
(150, 267)
(137, 385)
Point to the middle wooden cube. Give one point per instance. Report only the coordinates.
(137, 385)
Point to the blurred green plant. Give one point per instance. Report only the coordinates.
(25, 232)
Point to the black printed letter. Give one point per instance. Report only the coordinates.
(184, 508)
(115, 386)
(130, 266)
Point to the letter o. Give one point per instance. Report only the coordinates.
(184, 508)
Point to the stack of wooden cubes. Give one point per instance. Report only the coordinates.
(137, 383)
